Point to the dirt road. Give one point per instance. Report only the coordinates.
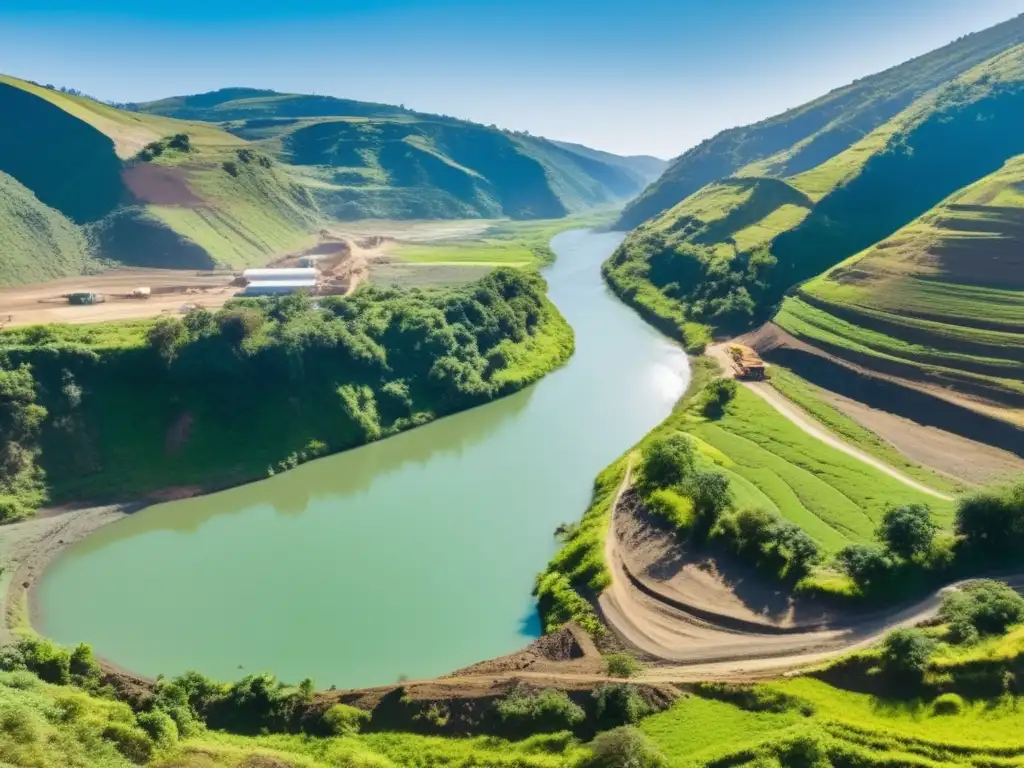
(807, 424)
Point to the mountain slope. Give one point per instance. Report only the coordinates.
(139, 189)
(805, 137)
(374, 161)
(726, 264)
(941, 300)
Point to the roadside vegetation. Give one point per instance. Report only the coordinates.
(215, 399)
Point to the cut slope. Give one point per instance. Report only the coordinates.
(803, 138)
(36, 242)
(942, 299)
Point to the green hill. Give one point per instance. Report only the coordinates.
(726, 255)
(806, 136)
(374, 161)
(941, 300)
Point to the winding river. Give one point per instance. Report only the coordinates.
(412, 556)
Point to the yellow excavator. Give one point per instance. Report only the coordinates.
(747, 363)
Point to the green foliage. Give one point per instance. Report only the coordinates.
(623, 747)
(160, 727)
(769, 541)
(21, 419)
(992, 522)
(547, 711)
(673, 507)
(667, 462)
(948, 704)
(131, 741)
(905, 654)
(618, 704)
(908, 530)
(622, 665)
(343, 720)
(868, 566)
(982, 607)
(717, 395)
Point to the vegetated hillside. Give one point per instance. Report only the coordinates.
(806, 136)
(371, 161)
(36, 242)
(941, 300)
(726, 255)
(213, 400)
(141, 190)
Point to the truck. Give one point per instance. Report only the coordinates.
(747, 362)
(86, 297)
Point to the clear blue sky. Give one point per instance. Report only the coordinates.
(632, 76)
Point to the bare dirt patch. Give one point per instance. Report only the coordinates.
(160, 185)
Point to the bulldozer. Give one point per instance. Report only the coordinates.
(747, 363)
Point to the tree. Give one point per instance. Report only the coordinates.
(238, 324)
(992, 522)
(624, 747)
(711, 495)
(166, 336)
(905, 654)
(982, 607)
(667, 461)
(868, 566)
(21, 420)
(908, 530)
(717, 396)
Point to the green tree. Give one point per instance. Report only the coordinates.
(667, 461)
(905, 654)
(908, 530)
(166, 336)
(868, 566)
(239, 323)
(992, 522)
(21, 420)
(982, 607)
(624, 747)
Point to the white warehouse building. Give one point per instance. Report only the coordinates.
(290, 273)
(278, 287)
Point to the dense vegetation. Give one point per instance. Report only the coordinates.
(806, 136)
(214, 399)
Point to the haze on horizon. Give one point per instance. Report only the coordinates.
(650, 77)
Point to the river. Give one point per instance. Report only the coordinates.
(412, 556)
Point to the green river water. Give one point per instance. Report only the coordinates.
(411, 556)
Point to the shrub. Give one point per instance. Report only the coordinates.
(770, 541)
(343, 720)
(82, 665)
(159, 726)
(948, 704)
(667, 461)
(993, 522)
(180, 142)
(711, 496)
(982, 607)
(131, 741)
(546, 712)
(622, 665)
(671, 506)
(238, 324)
(624, 747)
(619, 704)
(908, 530)
(49, 662)
(717, 395)
(905, 654)
(869, 567)
(803, 751)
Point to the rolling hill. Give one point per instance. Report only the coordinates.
(375, 161)
(804, 137)
(723, 257)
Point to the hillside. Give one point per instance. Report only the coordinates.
(140, 190)
(806, 136)
(373, 161)
(941, 300)
(725, 256)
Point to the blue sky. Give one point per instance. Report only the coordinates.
(646, 76)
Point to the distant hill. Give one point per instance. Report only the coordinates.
(725, 255)
(803, 138)
(365, 160)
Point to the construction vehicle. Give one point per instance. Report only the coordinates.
(140, 293)
(747, 363)
(86, 297)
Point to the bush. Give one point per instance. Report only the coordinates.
(993, 522)
(82, 665)
(869, 567)
(623, 748)
(803, 751)
(131, 741)
(672, 507)
(160, 727)
(905, 654)
(982, 607)
(667, 461)
(769, 541)
(619, 704)
(711, 496)
(47, 661)
(717, 395)
(948, 704)
(343, 720)
(907, 531)
(549, 711)
(238, 324)
(622, 665)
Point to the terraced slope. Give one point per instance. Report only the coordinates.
(725, 256)
(940, 300)
(805, 137)
(373, 161)
(76, 172)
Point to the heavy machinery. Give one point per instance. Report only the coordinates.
(747, 363)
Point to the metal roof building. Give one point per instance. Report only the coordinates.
(278, 287)
(276, 275)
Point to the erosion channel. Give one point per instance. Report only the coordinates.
(411, 556)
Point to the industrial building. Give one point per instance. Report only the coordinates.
(277, 282)
(289, 273)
